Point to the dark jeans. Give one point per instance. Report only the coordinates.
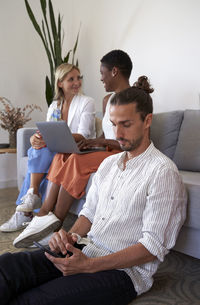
(30, 278)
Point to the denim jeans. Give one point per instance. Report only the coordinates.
(39, 161)
(30, 278)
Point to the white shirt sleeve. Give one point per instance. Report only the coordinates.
(86, 125)
(89, 208)
(163, 215)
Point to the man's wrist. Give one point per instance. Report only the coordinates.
(77, 236)
(93, 265)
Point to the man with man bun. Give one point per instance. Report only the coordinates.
(134, 210)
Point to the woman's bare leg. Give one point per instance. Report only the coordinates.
(58, 201)
(50, 201)
(35, 181)
(63, 204)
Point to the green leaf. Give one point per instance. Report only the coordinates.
(76, 43)
(44, 32)
(37, 28)
(66, 59)
(59, 28)
(52, 19)
(75, 47)
(43, 5)
(57, 43)
(34, 22)
(49, 91)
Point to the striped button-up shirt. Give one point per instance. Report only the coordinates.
(143, 203)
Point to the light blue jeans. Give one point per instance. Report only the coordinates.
(39, 161)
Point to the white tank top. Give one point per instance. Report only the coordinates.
(106, 123)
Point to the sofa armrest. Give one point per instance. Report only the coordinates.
(23, 140)
(23, 144)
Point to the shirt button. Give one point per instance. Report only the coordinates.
(112, 197)
(103, 218)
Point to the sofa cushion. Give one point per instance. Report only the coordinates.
(192, 184)
(23, 170)
(187, 153)
(164, 131)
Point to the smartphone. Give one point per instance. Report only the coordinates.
(46, 249)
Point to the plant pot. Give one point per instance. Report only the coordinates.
(12, 139)
(4, 145)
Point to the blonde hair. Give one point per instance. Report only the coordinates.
(60, 74)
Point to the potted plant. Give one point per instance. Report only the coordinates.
(52, 37)
(13, 118)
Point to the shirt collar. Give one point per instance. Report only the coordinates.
(138, 158)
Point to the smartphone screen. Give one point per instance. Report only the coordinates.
(46, 249)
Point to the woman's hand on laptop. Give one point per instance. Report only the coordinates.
(89, 143)
(37, 141)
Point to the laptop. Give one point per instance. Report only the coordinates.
(58, 138)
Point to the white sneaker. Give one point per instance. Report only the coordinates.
(30, 202)
(16, 222)
(38, 228)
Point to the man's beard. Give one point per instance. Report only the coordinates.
(132, 144)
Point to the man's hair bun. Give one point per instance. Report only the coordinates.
(144, 84)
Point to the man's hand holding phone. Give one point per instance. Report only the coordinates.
(75, 263)
(57, 244)
(67, 258)
(59, 240)
(47, 250)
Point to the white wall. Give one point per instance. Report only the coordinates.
(162, 37)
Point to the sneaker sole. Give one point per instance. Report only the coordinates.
(27, 241)
(12, 230)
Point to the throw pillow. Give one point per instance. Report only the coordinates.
(187, 154)
(164, 131)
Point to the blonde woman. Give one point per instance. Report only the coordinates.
(78, 111)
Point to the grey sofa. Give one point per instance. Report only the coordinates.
(176, 134)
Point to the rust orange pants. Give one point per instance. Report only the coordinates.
(73, 171)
